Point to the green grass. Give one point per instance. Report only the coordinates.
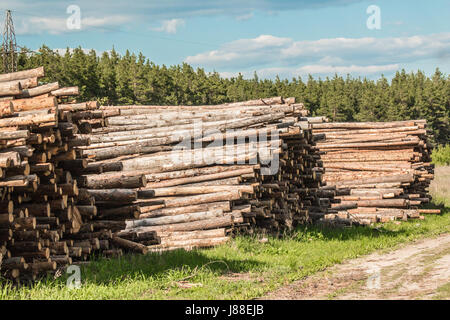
(443, 292)
(441, 155)
(261, 267)
(440, 187)
(266, 265)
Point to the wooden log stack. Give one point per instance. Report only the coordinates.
(381, 170)
(78, 179)
(189, 176)
(40, 213)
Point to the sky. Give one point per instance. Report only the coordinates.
(272, 37)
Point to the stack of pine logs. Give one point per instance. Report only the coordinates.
(78, 179)
(40, 214)
(172, 177)
(381, 170)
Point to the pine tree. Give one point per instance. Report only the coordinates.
(133, 79)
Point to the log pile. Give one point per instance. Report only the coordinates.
(40, 212)
(381, 170)
(173, 177)
(78, 179)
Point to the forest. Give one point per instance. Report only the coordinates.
(115, 79)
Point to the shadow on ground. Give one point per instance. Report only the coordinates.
(106, 271)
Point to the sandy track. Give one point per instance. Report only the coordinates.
(414, 271)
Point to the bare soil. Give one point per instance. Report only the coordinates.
(415, 271)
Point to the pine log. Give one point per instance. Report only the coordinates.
(156, 211)
(188, 217)
(214, 223)
(64, 92)
(34, 103)
(11, 88)
(110, 182)
(129, 245)
(28, 120)
(6, 109)
(117, 195)
(202, 234)
(198, 178)
(32, 73)
(188, 244)
(37, 91)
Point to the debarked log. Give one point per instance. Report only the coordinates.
(182, 218)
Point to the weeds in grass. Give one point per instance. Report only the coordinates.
(441, 155)
(440, 187)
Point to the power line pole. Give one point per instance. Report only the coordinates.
(9, 46)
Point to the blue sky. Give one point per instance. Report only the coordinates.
(284, 37)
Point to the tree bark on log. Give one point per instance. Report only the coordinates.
(12, 88)
(149, 212)
(203, 234)
(108, 182)
(383, 179)
(34, 104)
(130, 245)
(188, 217)
(20, 75)
(198, 178)
(28, 120)
(188, 244)
(65, 92)
(184, 191)
(116, 195)
(37, 91)
(214, 223)
(6, 109)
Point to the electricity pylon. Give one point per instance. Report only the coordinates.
(9, 46)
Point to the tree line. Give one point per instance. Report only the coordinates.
(115, 79)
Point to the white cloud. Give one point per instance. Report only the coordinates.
(214, 56)
(380, 50)
(271, 55)
(37, 25)
(113, 20)
(227, 74)
(315, 70)
(243, 52)
(62, 51)
(353, 69)
(331, 60)
(170, 26)
(245, 17)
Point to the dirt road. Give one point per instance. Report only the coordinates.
(415, 271)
